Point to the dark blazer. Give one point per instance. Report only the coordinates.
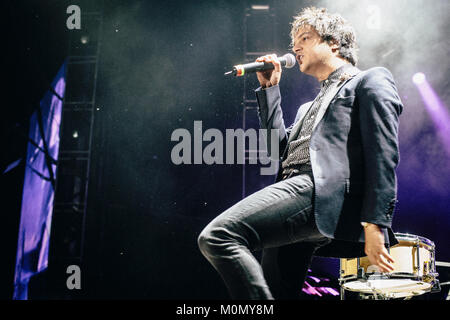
(353, 152)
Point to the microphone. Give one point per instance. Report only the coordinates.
(287, 61)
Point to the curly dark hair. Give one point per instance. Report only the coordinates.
(332, 28)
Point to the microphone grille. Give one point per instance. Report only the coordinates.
(290, 60)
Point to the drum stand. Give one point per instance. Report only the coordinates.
(445, 265)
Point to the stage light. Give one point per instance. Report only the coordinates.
(435, 107)
(260, 7)
(84, 39)
(418, 78)
(75, 134)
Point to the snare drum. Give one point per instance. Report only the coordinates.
(414, 270)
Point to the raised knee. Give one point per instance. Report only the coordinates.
(203, 241)
(214, 239)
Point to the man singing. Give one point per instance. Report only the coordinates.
(336, 187)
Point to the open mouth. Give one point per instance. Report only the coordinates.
(299, 59)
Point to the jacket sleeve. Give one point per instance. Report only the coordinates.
(379, 110)
(271, 116)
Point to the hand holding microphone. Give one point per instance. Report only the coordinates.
(269, 77)
(267, 68)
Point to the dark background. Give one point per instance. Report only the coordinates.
(161, 68)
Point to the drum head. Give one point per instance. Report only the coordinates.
(392, 288)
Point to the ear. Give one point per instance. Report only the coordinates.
(334, 47)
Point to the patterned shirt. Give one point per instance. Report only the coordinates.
(298, 152)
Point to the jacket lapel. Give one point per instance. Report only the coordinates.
(349, 74)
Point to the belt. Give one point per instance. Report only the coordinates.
(293, 171)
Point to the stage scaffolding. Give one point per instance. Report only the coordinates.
(260, 29)
(68, 232)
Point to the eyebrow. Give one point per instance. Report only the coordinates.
(303, 34)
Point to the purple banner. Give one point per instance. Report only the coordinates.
(38, 188)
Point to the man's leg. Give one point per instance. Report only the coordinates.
(274, 216)
(285, 268)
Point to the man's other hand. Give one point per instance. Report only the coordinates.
(375, 249)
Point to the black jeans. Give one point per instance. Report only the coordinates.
(279, 220)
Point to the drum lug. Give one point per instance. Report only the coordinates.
(436, 286)
(418, 258)
(361, 274)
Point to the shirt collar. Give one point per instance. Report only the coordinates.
(335, 75)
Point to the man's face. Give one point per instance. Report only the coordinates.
(310, 50)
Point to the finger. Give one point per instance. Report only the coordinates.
(276, 63)
(378, 260)
(260, 59)
(387, 256)
(385, 266)
(274, 58)
(382, 267)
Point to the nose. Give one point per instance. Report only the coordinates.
(297, 50)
